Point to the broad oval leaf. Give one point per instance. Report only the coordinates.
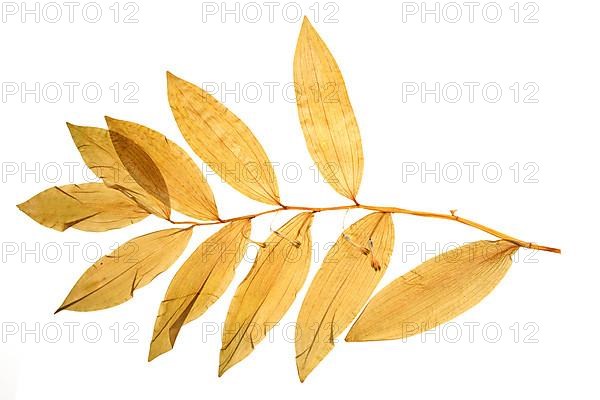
(222, 141)
(349, 274)
(270, 288)
(112, 279)
(99, 154)
(90, 207)
(200, 281)
(187, 188)
(435, 292)
(326, 115)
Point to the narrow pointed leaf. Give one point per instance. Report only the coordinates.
(142, 168)
(187, 188)
(200, 281)
(90, 207)
(326, 115)
(268, 291)
(112, 279)
(349, 274)
(435, 292)
(222, 141)
(99, 154)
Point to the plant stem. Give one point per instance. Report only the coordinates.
(394, 210)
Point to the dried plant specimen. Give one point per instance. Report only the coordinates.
(350, 272)
(327, 120)
(144, 173)
(200, 281)
(176, 176)
(98, 151)
(221, 140)
(435, 292)
(268, 291)
(90, 207)
(113, 278)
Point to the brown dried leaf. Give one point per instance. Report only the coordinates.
(113, 278)
(200, 281)
(90, 207)
(222, 141)
(435, 292)
(100, 156)
(350, 272)
(326, 115)
(186, 187)
(268, 291)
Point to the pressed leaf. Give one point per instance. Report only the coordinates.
(142, 168)
(268, 291)
(112, 279)
(348, 276)
(200, 281)
(222, 141)
(90, 207)
(99, 154)
(187, 189)
(326, 115)
(435, 292)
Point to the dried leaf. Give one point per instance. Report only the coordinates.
(90, 207)
(200, 281)
(436, 291)
(99, 154)
(113, 278)
(141, 168)
(222, 141)
(350, 272)
(326, 115)
(268, 291)
(187, 188)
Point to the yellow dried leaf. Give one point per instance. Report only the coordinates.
(349, 274)
(200, 281)
(435, 292)
(326, 115)
(187, 188)
(100, 156)
(141, 168)
(90, 207)
(222, 141)
(268, 291)
(113, 278)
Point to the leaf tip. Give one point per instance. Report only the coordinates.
(352, 336)
(306, 23)
(66, 305)
(307, 27)
(159, 346)
(73, 129)
(172, 79)
(152, 354)
(32, 210)
(224, 363)
(302, 375)
(110, 120)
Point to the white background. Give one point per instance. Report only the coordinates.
(377, 52)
